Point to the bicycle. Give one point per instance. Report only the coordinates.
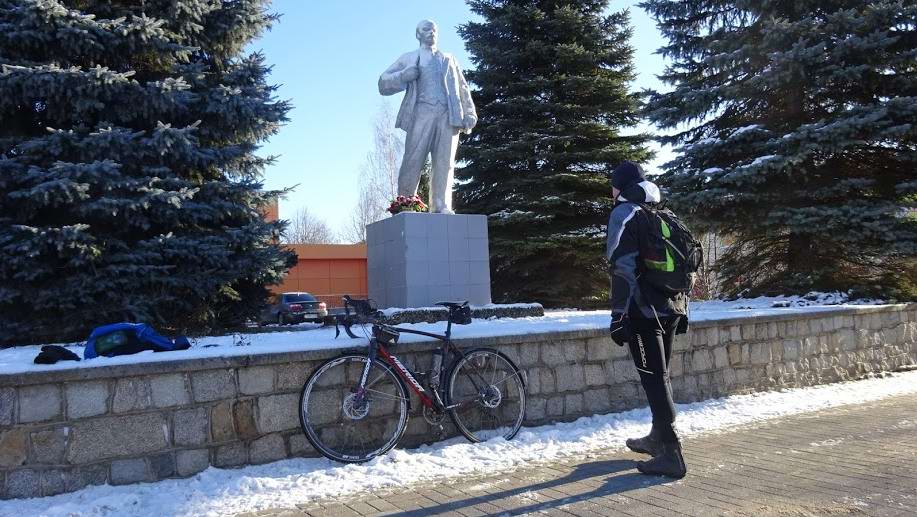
(355, 407)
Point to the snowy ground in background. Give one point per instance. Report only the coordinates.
(286, 483)
(315, 337)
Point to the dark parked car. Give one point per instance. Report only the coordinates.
(294, 308)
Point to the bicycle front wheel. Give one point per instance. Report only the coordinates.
(347, 423)
(486, 396)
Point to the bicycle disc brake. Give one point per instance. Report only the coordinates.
(355, 410)
(491, 397)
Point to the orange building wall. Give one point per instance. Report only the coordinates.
(327, 271)
(271, 210)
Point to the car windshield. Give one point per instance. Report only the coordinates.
(299, 297)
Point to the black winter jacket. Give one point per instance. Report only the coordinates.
(625, 225)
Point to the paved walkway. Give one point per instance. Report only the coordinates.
(853, 460)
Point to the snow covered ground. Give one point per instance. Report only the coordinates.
(216, 492)
(315, 337)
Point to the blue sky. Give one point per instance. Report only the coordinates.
(327, 57)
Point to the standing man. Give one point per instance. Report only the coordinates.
(436, 107)
(644, 317)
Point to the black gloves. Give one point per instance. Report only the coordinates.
(620, 329)
(682, 327)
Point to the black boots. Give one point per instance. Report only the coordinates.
(667, 459)
(669, 462)
(649, 444)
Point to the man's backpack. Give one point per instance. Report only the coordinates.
(671, 255)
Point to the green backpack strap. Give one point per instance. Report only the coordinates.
(668, 265)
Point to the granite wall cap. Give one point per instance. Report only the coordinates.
(349, 345)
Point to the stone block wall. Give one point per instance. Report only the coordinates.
(66, 429)
(569, 378)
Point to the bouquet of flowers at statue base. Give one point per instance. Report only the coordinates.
(407, 204)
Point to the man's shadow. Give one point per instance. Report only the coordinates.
(614, 484)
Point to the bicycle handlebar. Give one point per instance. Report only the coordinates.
(364, 308)
(363, 312)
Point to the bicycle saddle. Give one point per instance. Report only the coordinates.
(459, 312)
(452, 305)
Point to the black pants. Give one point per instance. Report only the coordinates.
(651, 348)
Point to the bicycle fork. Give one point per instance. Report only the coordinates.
(360, 390)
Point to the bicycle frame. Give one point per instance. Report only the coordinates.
(405, 373)
(377, 349)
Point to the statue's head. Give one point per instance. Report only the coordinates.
(426, 32)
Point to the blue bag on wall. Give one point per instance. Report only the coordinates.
(129, 338)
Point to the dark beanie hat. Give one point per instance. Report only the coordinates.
(626, 174)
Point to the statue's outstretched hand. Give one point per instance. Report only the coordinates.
(409, 74)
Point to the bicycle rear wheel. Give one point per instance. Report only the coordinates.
(486, 396)
(349, 424)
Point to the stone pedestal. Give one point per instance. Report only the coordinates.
(417, 259)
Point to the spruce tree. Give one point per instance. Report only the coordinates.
(551, 81)
(797, 129)
(129, 187)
